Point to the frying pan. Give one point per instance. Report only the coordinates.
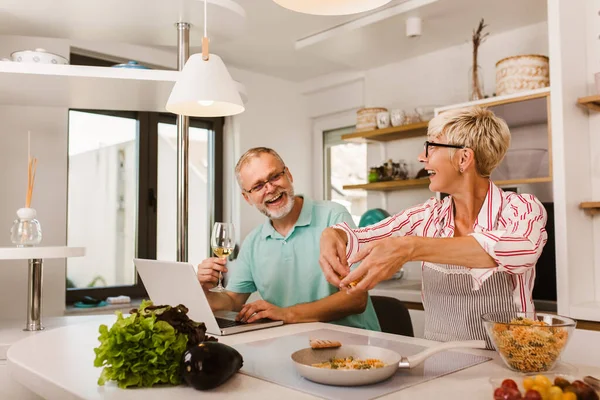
(305, 358)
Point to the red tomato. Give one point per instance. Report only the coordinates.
(499, 394)
(533, 395)
(509, 383)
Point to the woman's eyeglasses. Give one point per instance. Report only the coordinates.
(433, 144)
(272, 179)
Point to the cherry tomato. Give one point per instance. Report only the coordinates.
(528, 383)
(569, 396)
(509, 383)
(499, 394)
(532, 395)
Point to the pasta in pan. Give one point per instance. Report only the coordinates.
(350, 363)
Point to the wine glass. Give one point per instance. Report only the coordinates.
(222, 242)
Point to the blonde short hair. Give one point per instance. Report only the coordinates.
(249, 155)
(476, 128)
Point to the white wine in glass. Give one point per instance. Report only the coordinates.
(222, 241)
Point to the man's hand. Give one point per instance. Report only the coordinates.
(380, 260)
(333, 260)
(208, 272)
(261, 309)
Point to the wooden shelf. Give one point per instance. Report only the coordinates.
(525, 181)
(390, 185)
(76, 86)
(500, 100)
(415, 183)
(590, 102)
(388, 134)
(590, 207)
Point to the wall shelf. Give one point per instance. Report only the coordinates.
(388, 134)
(590, 207)
(590, 102)
(391, 185)
(84, 87)
(424, 182)
(500, 100)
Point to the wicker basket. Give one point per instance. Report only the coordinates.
(521, 73)
(366, 118)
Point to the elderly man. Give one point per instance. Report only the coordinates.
(280, 258)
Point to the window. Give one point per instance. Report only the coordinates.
(345, 163)
(122, 196)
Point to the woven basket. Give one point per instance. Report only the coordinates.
(521, 73)
(366, 118)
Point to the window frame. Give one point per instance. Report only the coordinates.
(147, 167)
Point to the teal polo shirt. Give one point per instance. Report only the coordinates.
(285, 270)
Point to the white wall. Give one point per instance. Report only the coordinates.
(275, 117)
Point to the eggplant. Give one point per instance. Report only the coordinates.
(209, 364)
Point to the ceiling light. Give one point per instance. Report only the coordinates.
(205, 87)
(331, 7)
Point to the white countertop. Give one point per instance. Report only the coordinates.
(11, 331)
(401, 289)
(58, 364)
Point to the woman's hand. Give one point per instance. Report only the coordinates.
(380, 260)
(333, 255)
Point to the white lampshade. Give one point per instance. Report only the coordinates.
(205, 89)
(331, 7)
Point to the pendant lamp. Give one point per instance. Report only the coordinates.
(331, 7)
(205, 87)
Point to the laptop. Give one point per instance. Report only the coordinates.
(173, 283)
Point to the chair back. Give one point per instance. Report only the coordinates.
(393, 316)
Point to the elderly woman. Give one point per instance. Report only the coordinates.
(478, 246)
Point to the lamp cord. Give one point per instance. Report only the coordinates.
(205, 38)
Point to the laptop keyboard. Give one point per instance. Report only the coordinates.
(228, 323)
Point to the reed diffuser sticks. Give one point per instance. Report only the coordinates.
(31, 169)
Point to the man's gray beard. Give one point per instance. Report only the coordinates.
(286, 209)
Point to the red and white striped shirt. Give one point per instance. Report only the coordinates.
(510, 228)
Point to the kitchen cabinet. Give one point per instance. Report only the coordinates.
(529, 157)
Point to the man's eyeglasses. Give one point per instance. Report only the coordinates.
(433, 144)
(272, 179)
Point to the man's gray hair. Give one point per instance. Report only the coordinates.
(249, 155)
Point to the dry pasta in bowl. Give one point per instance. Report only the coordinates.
(528, 342)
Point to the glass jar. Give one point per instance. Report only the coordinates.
(373, 175)
(26, 230)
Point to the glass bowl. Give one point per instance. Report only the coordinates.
(528, 342)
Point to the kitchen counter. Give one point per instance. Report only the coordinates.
(407, 290)
(58, 364)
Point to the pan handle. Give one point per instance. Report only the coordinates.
(418, 358)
